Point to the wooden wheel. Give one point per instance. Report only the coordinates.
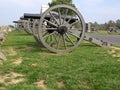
(35, 31)
(61, 32)
(28, 26)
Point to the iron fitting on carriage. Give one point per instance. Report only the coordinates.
(62, 29)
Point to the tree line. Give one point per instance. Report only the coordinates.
(106, 25)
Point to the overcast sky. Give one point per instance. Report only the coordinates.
(100, 11)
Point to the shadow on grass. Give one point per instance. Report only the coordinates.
(88, 45)
(33, 48)
(37, 47)
(27, 47)
(22, 34)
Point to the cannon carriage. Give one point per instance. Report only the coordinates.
(60, 28)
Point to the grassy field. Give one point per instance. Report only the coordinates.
(105, 32)
(31, 67)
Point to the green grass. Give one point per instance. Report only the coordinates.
(104, 32)
(88, 67)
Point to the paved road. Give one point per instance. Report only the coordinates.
(112, 39)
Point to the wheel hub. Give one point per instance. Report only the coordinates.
(62, 29)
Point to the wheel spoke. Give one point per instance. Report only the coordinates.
(54, 18)
(72, 24)
(48, 35)
(46, 39)
(75, 32)
(69, 19)
(65, 16)
(53, 29)
(59, 40)
(69, 39)
(52, 40)
(55, 37)
(59, 16)
(51, 23)
(45, 33)
(63, 36)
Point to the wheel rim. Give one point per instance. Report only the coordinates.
(35, 31)
(28, 26)
(62, 32)
(35, 27)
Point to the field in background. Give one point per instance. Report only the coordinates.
(31, 67)
(105, 32)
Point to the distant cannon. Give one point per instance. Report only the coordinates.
(113, 30)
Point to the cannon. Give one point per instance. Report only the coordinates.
(19, 24)
(24, 24)
(113, 30)
(60, 28)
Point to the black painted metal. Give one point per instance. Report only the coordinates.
(38, 16)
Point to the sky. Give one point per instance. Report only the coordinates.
(100, 11)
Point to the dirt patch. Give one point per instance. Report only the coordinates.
(10, 51)
(12, 78)
(28, 48)
(2, 88)
(85, 86)
(118, 60)
(2, 56)
(1, 62)
(41, 84)
(18, 61)
(34, 65)
(116, 55)
(115, 48)
(14, 75)
(60, 84)
(2, 79)
(114, 51)
(111, 51)
(15, 81)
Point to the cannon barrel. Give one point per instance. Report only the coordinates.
(38, 16)
(22, 18)
(33, 16)
(15, 21)
(19, 21)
